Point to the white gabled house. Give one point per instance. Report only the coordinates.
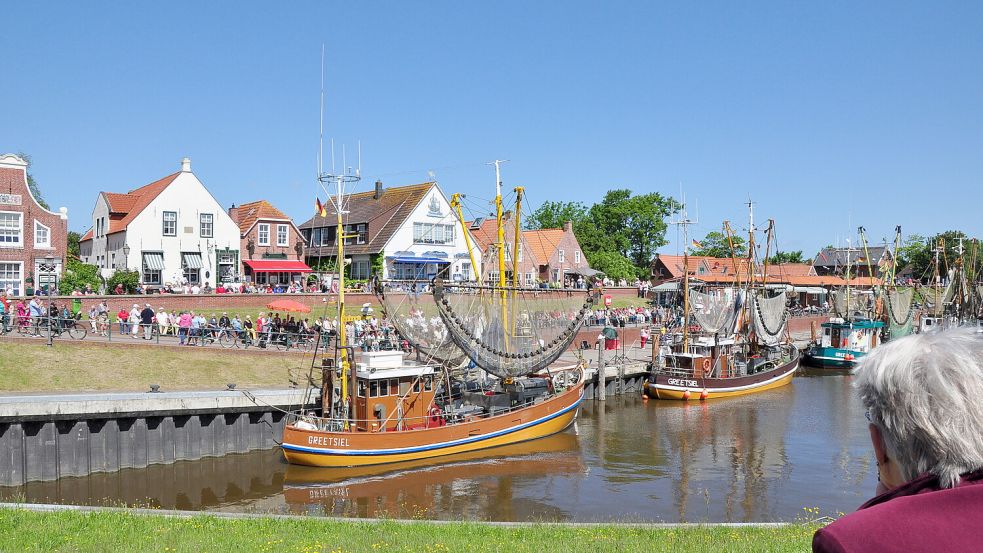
(410, 231)
(172, 231)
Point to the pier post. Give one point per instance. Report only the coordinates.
(601, 387)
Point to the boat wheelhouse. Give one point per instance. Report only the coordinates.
(842, 343)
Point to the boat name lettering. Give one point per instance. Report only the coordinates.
(328, 441)
(680, 382)
(318, 493)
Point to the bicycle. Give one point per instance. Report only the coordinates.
(75, 329)
(237, 339)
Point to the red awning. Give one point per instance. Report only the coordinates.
(276, 266)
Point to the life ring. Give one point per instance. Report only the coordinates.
(707, 366)
(435, 418)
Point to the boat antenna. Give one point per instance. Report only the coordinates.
(683, 223)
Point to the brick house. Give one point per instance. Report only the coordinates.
(485, 232)
(272, 246)
(558, 254)
(33, 240)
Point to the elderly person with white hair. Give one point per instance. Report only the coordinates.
(924, 400)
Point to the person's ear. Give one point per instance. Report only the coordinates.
(877, 440)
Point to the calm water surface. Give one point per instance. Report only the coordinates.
(760, 458)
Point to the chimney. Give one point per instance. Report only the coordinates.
(234, 213)
(568, 226)
(378, 189)
(186, 165)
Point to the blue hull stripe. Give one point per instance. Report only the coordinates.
(370, 452)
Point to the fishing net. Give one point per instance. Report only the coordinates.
(714, 311)
(411, 309)
(770, 318)
(511, 331)
(934, 298)
(900, 313)
(857, 304)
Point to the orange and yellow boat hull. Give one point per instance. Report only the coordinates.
(696, 389)
(354, 448)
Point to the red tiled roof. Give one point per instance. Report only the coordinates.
(543, 242)
(251, 212)
(123, 208)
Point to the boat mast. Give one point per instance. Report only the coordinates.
(684, 222)
(518, 234)
(501, 247)
(456, 206)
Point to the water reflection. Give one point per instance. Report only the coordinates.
(758, 458)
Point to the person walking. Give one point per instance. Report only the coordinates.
(121, 318)
(134, 320)
(147, 321)
(183, 328)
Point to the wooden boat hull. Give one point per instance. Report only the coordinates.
(352, 449)
(692, 389)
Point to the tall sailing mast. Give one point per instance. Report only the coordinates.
(684, 222)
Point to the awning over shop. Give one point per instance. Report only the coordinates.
(585, 271)
(816, 290)
(419, 260)
(277, 266)
(191, 260)
(667, 287)
(154, 261)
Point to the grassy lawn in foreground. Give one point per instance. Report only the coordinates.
(119, 531)
(35, 367)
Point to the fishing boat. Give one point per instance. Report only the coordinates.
(385, 408)
(856, 330)
(737, 343)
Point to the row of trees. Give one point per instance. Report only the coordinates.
(916, 255)
(717, 244)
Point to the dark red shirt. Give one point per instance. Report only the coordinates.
(917, 516)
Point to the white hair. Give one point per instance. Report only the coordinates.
(925, 393)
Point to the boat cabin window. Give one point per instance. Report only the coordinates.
(834, 337)
(416, 386)
(361, 388)
(428, 384)
(383, 387)
(394, 386)
(404, 387)
(373, 388)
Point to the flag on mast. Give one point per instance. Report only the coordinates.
(696, 245)
(319, 208)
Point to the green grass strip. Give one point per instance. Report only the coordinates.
(121, 530)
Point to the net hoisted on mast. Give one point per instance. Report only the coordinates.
(856, 303)
(715, 312)
(411, 309)
(900, 313)
(770, 318)
(510, 331)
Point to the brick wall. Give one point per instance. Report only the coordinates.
(13, 181)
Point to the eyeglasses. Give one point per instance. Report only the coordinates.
(867, 414)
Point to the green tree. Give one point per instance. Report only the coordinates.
(786, 257)
(77, 276)
(129, 280)
(612, 264)
(31, 183)
(715, 244)
(633, 226)
(555, 214)
(73, 244)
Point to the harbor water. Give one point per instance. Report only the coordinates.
(793, 453)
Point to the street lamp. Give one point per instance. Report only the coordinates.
(51, 270)
(126, 256)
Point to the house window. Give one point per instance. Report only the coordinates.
(356, 234)
(520, 254)
(42, 235)
(428, 233)
(529, 279)
(11, 230)
(560, 252)
(153, 264)
(170, 223)
(264, 234)
(10, 278)
(466, 270)
(207, 225)
(360, 269)
(281, 235)
(576, 257)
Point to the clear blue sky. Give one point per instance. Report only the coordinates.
(828, 114)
